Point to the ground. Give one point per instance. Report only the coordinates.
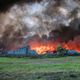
(64, 68)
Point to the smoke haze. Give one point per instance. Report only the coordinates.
(21, 20)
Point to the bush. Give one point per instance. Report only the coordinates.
(61, 51)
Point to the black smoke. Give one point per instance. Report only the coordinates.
(48, 20)
(64, 33)
(6, 4)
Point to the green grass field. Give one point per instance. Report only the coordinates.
(64, 68)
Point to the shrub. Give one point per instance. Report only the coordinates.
(61, 51)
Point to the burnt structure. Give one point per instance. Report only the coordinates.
(27, 52)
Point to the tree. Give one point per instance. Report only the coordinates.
(61, 51)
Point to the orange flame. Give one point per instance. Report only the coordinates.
(42, 46)
(73, 45)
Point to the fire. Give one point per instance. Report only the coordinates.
(41, 46)
(73, 45)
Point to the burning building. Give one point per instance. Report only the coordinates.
(42, 24)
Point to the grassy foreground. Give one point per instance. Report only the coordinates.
(64, 68)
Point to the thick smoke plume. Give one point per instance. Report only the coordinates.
(21, 20)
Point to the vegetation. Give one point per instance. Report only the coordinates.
(61, 51)
(40, 69)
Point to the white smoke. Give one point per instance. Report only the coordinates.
(38, 18)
